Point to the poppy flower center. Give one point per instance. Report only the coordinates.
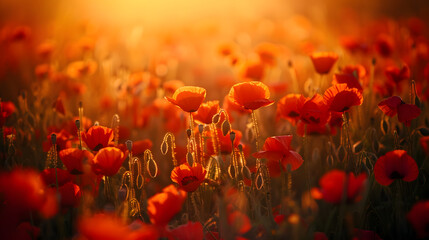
(98, 147)
(395, 175)
(188, 179)
(293, 114)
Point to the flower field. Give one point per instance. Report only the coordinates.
(216, 120)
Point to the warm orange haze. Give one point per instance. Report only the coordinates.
(191, 119)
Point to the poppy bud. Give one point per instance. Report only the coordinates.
(123, 193)
(190, 159)
(357, 147)
(216, 118)
(259, 182)
(231, 171)
(240, 147)
(424, 131)
(188, 132)
(129, 145)
(77, 123)
(164, 147)
(201, 128)
(226, 127)
(53, 138)
(232, 136)
(246, 172)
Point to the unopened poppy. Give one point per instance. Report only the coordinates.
(73, 159)
(62, 140)
(351, 80)
(189, 178)
(394, 165)
(419, 218)
(340, 98)
(206, 112)
(278, 152)
(188, 231)
(251, 95)
(394, 105)
(163, 206)
(188, 98)
(323, 61)
(97, 137)
(332, 186)
(289, 107)
(107, 161)
(314, 110)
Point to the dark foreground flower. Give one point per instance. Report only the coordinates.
(332, 187)
(394, 165)
(419, 218)
(188, 231)
(394, 105)
(163, 206)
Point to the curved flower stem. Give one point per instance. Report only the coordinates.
(347, 141)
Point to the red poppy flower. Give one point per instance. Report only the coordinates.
(394, 105)
(70, 195)
(189, 231)
(103, 226)
(6, 109)
(332, 186)
(206, 112)
(384, 45)
(107, 161)
(278, 152)
(239, 221)
(424, 142)
(188, 98)
(314, 110)
(394, 165)
(323, 61)
(320, 236)
(312, 129)
(189, 178)
(349, 79)
(419, 218)
(340, 98)
(163, 206)
(224, 141)
(360, 234)
(254, 71)
(251, 95)
(267, 53)
(354, 44)
(97, 137)
(73, 159)
(230, 106)
(144, 231)
(289, 107)
(357, 69)
(79, 69)
(396, 75)
(50, 178)
(171, 86)
(58, 106)
(23, 190)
